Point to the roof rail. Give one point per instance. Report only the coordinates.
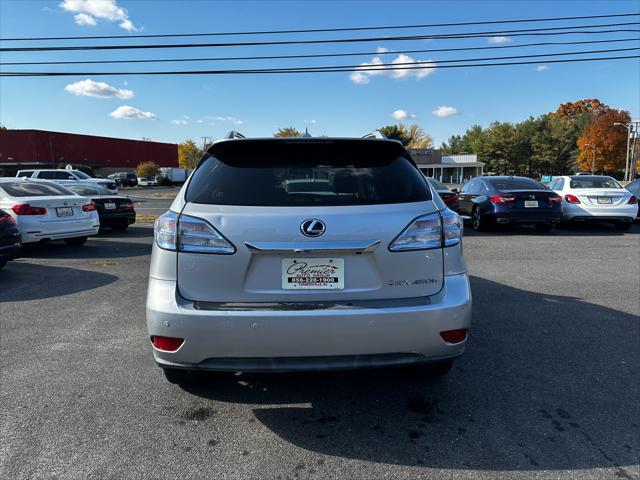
(234, 134)
(375, 134)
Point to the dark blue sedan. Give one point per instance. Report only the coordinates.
(487, 201)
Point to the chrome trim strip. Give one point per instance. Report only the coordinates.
(366, 246)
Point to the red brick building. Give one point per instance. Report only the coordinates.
(21, 149)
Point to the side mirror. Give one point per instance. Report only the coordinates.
(455, 190)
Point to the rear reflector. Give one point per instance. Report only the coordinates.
(167, 344)
(26, 209)
(632, 200)
(571, 198)
(454, 336)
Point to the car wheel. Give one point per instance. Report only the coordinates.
(477, 222)
(623, 226)
(544, 227)
(76, 242)
(119, 228)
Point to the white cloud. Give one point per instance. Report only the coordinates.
(125, 111)
(541, 68)
(89, 88)
(382, 50)
(87, 11)
(499, 39)
(376, 67)
(232, 120)
(402, 115)
(313, 121)
(179, 122)
(444, 111)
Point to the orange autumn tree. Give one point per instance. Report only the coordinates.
(572, 110)
(610, 142)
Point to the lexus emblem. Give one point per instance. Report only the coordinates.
(312, 227)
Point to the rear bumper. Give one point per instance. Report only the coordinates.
(292, 339)
(624, 213)
(32, 237)
(534, 216)
(118, 218)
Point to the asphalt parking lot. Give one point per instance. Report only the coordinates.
(548, 387)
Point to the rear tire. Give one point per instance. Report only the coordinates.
(119, 228)
(75, 242)
(544, 227)
(478, 223)
(623, 226)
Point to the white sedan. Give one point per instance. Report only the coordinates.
(47, 211)
(595, 198)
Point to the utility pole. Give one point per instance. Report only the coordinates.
(593, 158)
(206, 141)
(626, 163)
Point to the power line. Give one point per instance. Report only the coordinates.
(512, 33)
(321, 30)
(392, 67)
(319, 55)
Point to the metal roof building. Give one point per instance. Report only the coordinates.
(452, 169)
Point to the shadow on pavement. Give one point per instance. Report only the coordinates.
(548, 383)
(27, 281)
(94, 248)
(563, 230)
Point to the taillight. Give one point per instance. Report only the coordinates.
(451, 200)
(436, 230)
(502, 199)
(26, 209)
(554, 199)
(571, 198)
(189, 234)
(167, 344)
(6, 220)
(128, 207)
(632, 200)
(454, 336)
(89, 207)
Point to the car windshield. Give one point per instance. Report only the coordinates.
(436, 184)
(81, 175)
(594, 182)
(303, 173)
(514, 184)
(33, 189)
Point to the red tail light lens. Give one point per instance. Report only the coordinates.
(127, 207)
(454, 336)
(6, 220)
(451, 200)
(26, 209)
(632, 200)
(167, 344)
(571, 198)
(502, 199)
(89, 207)
(555, 199)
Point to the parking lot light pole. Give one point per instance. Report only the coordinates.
(593, 158)
(626, 163)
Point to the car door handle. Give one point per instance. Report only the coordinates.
(365, 246)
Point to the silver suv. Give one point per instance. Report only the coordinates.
(360, 265)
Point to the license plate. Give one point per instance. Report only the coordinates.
(64, 211)
(531, 204)
(110, 206)
(604, 199)
(312, 273)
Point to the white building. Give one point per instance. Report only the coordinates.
(451, 169)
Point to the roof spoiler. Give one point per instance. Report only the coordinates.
(233, 134)
(375, 134)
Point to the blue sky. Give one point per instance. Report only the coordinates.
(177, 108)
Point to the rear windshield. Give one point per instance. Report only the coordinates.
(307, 173)
(32, 189)
(515, 184)
(594, 182)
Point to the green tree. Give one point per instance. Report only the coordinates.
(498, 149)
(147, 170)
(2, 127)
(189, 154)
(287, 132)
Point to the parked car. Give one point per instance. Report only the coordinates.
(595, 198)
(450, 197)
(124, 179)
(147, 181)
(47, 211)
(68, 177)
(487, 201)
(369, 276)
(10, 239)
(634, 188)
(116, 212)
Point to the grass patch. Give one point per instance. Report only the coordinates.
(146, 218)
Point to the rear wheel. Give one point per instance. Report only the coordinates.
(623, 226)
(478, 223)
(75, 242)
(544, 227)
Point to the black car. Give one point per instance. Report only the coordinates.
(450, 197)
(634, 187)
(114, 211)
(124, 179)
(10, 239)
(504, 200)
